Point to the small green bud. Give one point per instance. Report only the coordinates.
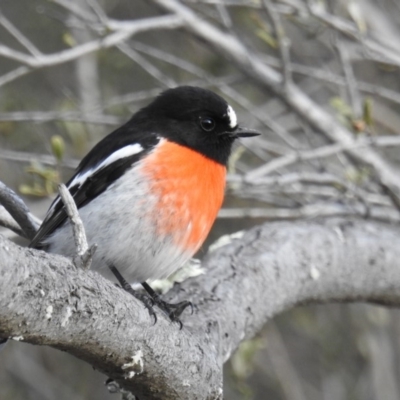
(58, 147)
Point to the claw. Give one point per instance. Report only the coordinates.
(147, 301)
(173, 311)
(191, 308)
(153, 314)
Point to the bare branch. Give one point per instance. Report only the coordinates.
(84, 253)
(330, 77)
(14, 74)
(380, 52)
(321, 209)
(163, 79)
(354, 96)
(22, 39)
(125, 30)
(282, 40)
(23, 156)
(75, 9)
(324, 151)
(47, 116)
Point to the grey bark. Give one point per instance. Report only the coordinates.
(45, 300)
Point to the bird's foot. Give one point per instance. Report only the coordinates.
(173, 311)
(144, 298)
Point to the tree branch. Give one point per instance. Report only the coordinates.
(56, 304)
(123, 31)
(270, 269)
(19, 211)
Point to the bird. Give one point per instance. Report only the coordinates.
(149, 192)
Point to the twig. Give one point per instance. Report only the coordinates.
(332, 78)
(150, 68)
(84, 254)
(148, 94)
(22, 39)
(380, 53)
(282, 40)
(19, 211)
(224, 14)
(351, 86)
(14, 74)
(48, 116)
(323, 209)
(323, 151)
(44, 159)
(98, 11)
(124, 32)
(242, 187)
(77, 10)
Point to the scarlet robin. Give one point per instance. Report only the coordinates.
(149, 192)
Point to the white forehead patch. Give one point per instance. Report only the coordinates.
(232, 117)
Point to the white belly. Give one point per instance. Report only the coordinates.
(116, 221)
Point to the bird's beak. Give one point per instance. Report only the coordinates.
(241, 133)
(245, 133)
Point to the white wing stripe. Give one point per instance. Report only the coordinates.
(124, 152)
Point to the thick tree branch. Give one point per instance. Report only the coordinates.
(45, 300)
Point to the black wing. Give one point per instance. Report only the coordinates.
(96, 182)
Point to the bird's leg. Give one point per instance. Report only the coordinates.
(146, 300)
(172, 310)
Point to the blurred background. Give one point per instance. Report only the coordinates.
(344, 55)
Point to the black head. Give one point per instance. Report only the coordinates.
(196, 118)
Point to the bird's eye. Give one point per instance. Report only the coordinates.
(207, 124)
